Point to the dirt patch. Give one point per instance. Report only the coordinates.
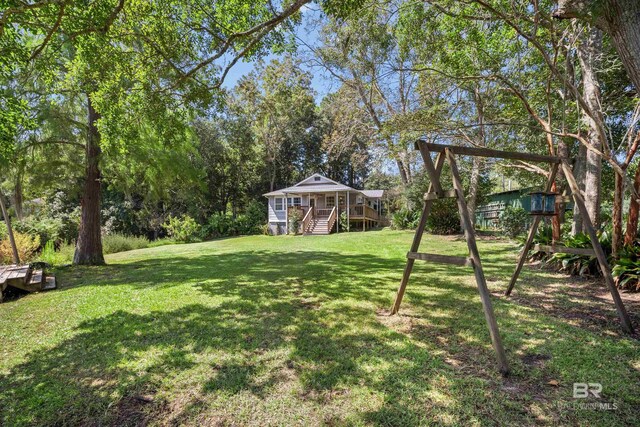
(535, 360)
(133, 410)
(584, 302)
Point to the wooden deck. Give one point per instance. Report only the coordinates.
(25, 278)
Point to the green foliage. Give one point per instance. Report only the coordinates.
(405, 219)
(47, 228)
(579, 265)
(26, 244)
(113, 243)
(63, 255)
(514, 221)
(444, 217)
(183, 229)
(295, 218)
(344, 225)
(626, 271)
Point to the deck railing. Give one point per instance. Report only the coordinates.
(307, 220)
(333, 215)
(363, 211)
(324, 212)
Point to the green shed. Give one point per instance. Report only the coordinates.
(487, 215)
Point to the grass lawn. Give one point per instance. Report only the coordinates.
(293, 330)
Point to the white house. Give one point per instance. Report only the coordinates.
(320, 202)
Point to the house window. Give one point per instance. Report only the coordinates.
(330, 201)
(279, 204)
(316, 178)
(294, 201)
(359, 200)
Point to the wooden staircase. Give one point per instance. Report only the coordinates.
(26, 278)
(321, 224)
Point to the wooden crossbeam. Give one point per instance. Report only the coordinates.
(441, 259)
(487, 152)
(557, 249)
(447, 194)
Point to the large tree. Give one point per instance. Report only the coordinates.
(136, 61)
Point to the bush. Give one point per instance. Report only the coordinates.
(344, 225)
(295, 218)
(48, 228)
(444, 217)
(626, 271)
(112, 243)
(404, 218)
(183, 229)
(513, 221)
(27, 246)
(219, 225)
(62, 256)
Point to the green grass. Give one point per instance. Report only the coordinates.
(293, 330)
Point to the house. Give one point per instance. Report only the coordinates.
(319, 202)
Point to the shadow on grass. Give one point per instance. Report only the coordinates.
(297, 330)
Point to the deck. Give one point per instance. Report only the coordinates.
(26, 278)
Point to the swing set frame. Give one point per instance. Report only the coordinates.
(436, 192)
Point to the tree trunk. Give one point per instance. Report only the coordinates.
(616, 215)
(17, 197)
(634, 208)
(12, 240)
(89, 245)
(403, 172)
(588, 52)
(579, 169)
(620, 19)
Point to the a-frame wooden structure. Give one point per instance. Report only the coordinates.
(436, 191)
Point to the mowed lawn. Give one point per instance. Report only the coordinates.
(294, 330)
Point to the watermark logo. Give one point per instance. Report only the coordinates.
(583, 390)
(588, 397)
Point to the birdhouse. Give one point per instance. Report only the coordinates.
(550, 204)
(543, 203)
(537, 202)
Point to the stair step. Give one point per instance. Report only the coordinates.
(50, 283)
(37, 277)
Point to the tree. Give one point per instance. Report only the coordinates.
(620, 19)
(139, 60)
(362, 52)
(278, 101)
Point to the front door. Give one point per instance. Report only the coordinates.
(312, 203)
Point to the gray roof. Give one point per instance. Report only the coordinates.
(372, 194)
(323, 188)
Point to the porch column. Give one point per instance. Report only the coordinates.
(337, 213)
(286, 215)
(348, 222)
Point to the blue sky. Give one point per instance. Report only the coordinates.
(307, 31)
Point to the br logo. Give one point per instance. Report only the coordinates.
(582, 390)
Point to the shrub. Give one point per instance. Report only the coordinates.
(444, 217)
(27, 246)
(295, 218)
(581, 265)
(626, 271)
(48, 228)
(513, 221)
(219, 225)
(344, 226)
(62, 256)
(404, 218)
(183, 229)
(112, 243)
